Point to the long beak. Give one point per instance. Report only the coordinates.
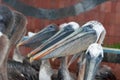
(92, 64)
(64, 32)
(77, 42)
(91, 68)
(41, 36)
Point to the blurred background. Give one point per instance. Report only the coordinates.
(107, 12)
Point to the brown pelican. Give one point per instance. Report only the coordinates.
(63, 72)
(13, 30)
(93, 56)
(12, 24)
(93, 71)
(65, 30)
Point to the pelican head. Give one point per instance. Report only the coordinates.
(94, 55)
(74, 25)
(98, 27)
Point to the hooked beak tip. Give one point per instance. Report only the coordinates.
(31, 60)
(29, 55)
(19, 44)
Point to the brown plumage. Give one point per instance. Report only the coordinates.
(4, 47)
(21, 71)
(105, 73)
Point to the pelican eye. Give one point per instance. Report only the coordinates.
(68, 27)
(87, 28)
(51, 26)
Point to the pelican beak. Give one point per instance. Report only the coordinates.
(94, 56)
(40, 37)
(76, 42)
(58, 50)
(65, 30)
